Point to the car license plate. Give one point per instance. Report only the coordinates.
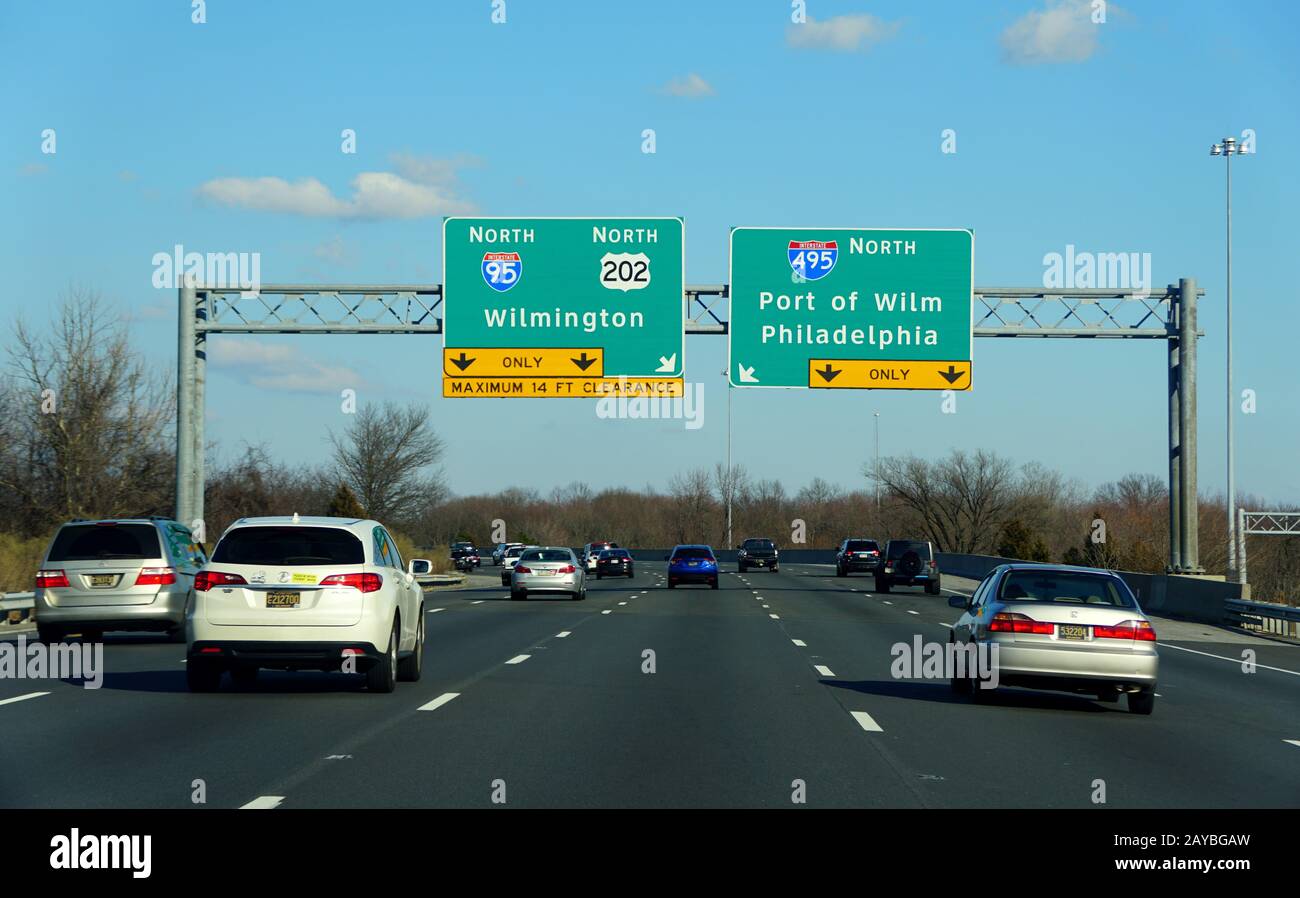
(281, 598)
(103, 579)
(1071, 631)
(546, 573)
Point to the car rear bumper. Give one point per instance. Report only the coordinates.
(693, 576)
(750, 561)
(617, 569)
(560, 583)
(1042, 666)
(165, 612)
(282, 655)
(871, 566)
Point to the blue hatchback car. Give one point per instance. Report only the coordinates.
(692, 564)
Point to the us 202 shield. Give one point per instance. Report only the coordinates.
(813, 259)
(502, 271)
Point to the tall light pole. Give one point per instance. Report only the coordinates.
(877, 463)
(731, 487)
(1227, 149)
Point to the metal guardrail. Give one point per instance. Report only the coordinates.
(1267, 616)
(17, 601)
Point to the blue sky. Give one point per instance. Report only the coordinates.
(1067, 133)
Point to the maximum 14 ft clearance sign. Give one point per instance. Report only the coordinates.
(554, 303)
(851, 308)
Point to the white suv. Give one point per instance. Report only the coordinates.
(298, 593)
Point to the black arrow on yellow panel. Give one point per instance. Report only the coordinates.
(462, 363)
(828, 373)
(952, 375)
(583, 363)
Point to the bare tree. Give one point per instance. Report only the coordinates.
(384, 456)
(961, 502)
(692, 505)
(86, 421)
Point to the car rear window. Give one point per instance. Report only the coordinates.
(862, 545)
(758, 544)
(693, 552)
(289, 546)
(546, 555)
(1065, 587)
(900, 547)
(614, 553)
(92, 542)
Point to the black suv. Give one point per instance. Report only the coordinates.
(464, 556)
(757, 553)
(857, 555)
(908, 562)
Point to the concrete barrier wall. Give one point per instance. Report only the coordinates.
(792, 556)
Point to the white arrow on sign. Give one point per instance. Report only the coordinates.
(668, 364)
(747, 375)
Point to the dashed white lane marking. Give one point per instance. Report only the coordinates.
(887, 602)
(563, 633)
(864, 720)
(800, 643)
(22, 698)
(767, 606)
(519, 659)
(622, 603)
(1295, 742)
(607, 611)
(823, 670)
(438, 702)
(775, 616)
(1158, 695)
(432, 610)
(263, 803)
(479, 602)
(910, 611)
(1165, 645)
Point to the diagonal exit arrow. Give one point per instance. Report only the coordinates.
(462, 363)
(952, 375)
(583, 362)
(828, 373)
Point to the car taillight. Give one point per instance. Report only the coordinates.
(933, 565)
(1008, 622)
(156, 576)
(363, 582)
(1129, 629)
(205, 580)
(49, 579)
(567, 569)
(520, 569)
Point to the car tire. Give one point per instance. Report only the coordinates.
(243, 677)
(49, 635)
(1109, 696)
(629, 574)
(176, 635)
(773, 569)
(713, 584)
(382, 677)
(672, 585)
(410, 667)
(518, 595)
(1143, 702)
(600, 576)
(840, 572)
(882, 586)
(740, 569)
(960, 685)
(202, 676)
(932, 588)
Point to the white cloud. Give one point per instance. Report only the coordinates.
(336, 251)
(425, 188)
(1061, 32)
(844, 34)
(691, 85)
(277, 366)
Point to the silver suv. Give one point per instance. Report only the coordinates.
(117, 574)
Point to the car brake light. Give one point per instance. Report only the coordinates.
(567, 569)
(49, 579)
(364, 582)
(933, 565)
(156, 576)
(205, 580)
(520, 569)
(210, 650)
(1129, 629)
(1008, 622)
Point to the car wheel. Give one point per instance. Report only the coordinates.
(1109, 696)
(672, 585)
(882, 586)
(713, 584)
(176, 635)
(383, 676)
(840, 572)
(201, 676)
(243, 677)
(773, 569)
(740, 568)
(49, 635)
(629, 572)
(932, 588)
(600, 576)
(960, 685)
(1143, 702)
(410, 667)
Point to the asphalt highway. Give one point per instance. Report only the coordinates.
(774, 687)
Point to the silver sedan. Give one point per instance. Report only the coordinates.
(548, 569)
(1059, 627)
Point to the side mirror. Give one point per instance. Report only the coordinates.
(418, 566)
(959, 602)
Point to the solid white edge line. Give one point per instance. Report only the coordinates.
(864, 720)
(438, 702)
(22, 698)
(823, 670)
(910, 611)
(1165, 645)
(263, 803)
(519, 659)
(431, 610)
(479, 602)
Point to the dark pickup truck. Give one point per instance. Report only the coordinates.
(757, 553)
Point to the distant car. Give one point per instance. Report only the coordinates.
(464, 557)
(692, 564)
(508, 559)
(116, 574)
(908, 562)
(499, 553)
(857, 555)
(548, 569)
(305, 593)
(757, 553)
(614, 563)
(1063, 628)
(591, 552)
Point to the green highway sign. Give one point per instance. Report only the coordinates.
(805, 300)
(613, 287)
